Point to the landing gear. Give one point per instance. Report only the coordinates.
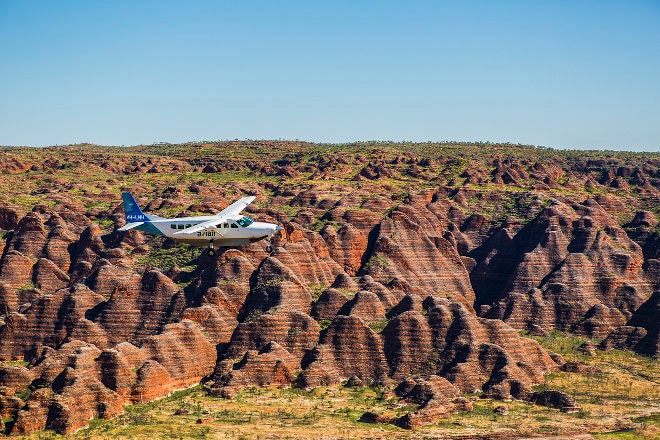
(210, 251)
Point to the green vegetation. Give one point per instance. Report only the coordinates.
(104, 224)
(254, 314)
(24, 394)
(350, 294)
(560, 342)
(163, 258)
(96, 175)
(627, 406)
(26, 286)
(378, 326)
(376, 263)
(317, 290)
(14, 363)
(87, 180)
(317, 225)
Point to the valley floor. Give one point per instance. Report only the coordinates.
(620, 402)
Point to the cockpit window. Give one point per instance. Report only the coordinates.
(245, 221)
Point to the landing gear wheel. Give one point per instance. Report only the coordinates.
(211, 252)
(269, 248)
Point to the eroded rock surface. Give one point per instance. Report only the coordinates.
(572, 268)
(390, 268)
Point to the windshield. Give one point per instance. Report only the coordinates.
(245, 221)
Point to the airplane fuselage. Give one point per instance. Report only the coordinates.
(237, 231)
(227, 228)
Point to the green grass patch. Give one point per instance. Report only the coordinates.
(378, 326)
(163, 258)
(26, 286)
(15, 363)
(317, 290)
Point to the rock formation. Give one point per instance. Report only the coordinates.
(641, 333)
(571, 268)
(435, 395)
(393, 267)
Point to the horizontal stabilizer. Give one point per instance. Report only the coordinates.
(128, 226)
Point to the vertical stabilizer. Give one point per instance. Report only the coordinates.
(132, 210)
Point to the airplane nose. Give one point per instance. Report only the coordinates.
(278, 228)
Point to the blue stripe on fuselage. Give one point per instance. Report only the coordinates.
(149, 228)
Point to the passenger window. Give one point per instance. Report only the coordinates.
(225, 225)
(233, 225)
(179, 226)
(173, 226)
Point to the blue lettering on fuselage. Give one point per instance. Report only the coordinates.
(135, 217)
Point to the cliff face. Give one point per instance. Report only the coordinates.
(572, 268)
(642, 331)
(365, 283)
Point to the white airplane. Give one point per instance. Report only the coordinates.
(227, 228)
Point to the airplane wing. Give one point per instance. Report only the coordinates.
(128, 226)
(230, 211)
(236, 207)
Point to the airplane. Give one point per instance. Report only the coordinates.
(227, 228)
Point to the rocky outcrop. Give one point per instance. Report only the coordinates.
(216, 323)
(385, 292)
(347, 246)
(426, 263)
(277, 286)
(60, 239)
(79, 381)
(29, 237)
(307, 255)
(225, 284)
(423, 389)
(641, 333)
(46, 322)
(16, 270)
(572, 268)
(48, 277)
(8, 299)
(348, 347)
(485, 354)
(68, 378)
(328, 304)
(293, 330)
(436, 396)
(554, 399)
(183, 351)
(365, 305)
(473, 353)
(408, 344)
(61, 326)
(271, 366)
(9, 216)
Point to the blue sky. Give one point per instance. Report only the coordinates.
(562, 74)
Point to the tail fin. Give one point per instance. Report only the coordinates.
(132, 210)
